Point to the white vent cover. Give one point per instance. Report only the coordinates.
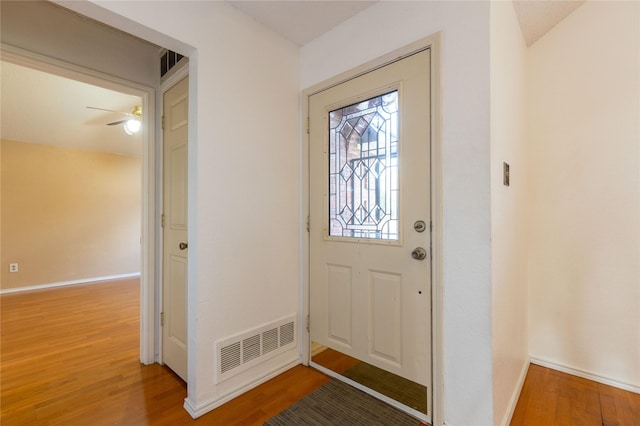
(242, 351)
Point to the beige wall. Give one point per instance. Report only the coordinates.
(508, 211)
(584, 271)
(67, 215)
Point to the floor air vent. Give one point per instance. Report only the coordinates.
(242, 351)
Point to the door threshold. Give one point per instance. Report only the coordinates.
(392, 402)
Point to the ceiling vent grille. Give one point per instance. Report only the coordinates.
(242, 351)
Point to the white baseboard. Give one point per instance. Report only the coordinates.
(516, 394)
(197, 411)
(74, 282)
(586, 375)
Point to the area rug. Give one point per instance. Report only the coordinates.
(395, 387)
(338, 403)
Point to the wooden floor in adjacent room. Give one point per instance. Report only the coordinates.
(69, 356)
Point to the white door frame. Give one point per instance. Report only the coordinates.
(434, 43)
(149, 208)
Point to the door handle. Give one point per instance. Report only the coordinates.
(183, 246)
(419, 253)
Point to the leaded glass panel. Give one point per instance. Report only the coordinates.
(363, 169)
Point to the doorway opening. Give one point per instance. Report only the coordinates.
(141, 96)
(140, 64)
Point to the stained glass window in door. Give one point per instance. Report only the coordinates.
(363, 169)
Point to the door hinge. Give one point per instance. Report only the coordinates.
(162, 319)
(162, 220)
(308, 125)
(308, 323)
(308, 223)
(163, 123)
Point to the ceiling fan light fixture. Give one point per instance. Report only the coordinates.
(132, 126)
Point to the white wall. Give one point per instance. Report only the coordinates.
(378, 30)
(583, 115)
(243, 176)
(508, 211)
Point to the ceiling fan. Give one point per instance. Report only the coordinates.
(132, 124)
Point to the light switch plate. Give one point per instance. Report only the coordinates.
(505, 174)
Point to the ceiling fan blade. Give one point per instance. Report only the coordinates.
(110, 110)
(117, 122)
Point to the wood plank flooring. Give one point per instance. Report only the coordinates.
(69, 356)
(550, 397)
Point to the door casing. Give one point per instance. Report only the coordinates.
(434, 43)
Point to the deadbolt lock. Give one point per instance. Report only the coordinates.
(420, 226)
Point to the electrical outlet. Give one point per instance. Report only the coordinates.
(13, 267)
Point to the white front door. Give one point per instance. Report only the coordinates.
(370, 286)
(175, 249)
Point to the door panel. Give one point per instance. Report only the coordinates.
(369, 171)
(174, 287)
(177, 178)
(386, 317)
(176, 303)
(340, 314)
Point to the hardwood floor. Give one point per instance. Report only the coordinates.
(69, 356)
(550, 397)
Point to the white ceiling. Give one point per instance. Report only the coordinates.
(303, 20)
(38, 107)
(43, 108)
(536, 18)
